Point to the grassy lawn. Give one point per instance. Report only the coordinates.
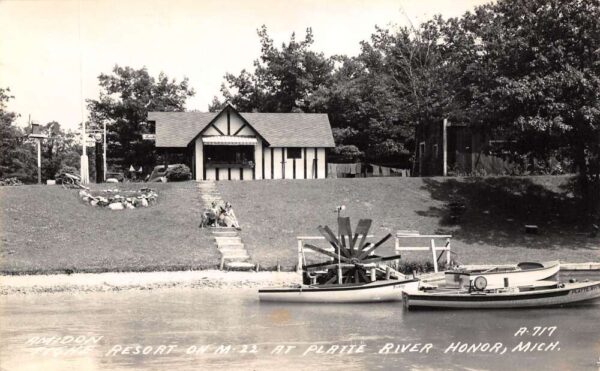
(273, 213)
(48, 229)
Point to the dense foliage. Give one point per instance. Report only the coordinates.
(178, 172)
(18, 154)
(527, 71)
(126, 97)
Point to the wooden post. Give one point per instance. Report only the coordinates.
(299, 268)
(445, 147)
(39, 160)
(447, 253)
(432, 247)
(373, 274)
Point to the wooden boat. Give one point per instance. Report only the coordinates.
(352, 272)
(501, 276)
(377, 291)
(541, 294)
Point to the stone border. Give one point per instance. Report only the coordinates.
(113, 200)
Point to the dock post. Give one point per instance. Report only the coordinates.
(432, 247)
(447, 253)
(299, 267)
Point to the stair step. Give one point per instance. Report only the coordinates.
(225, 234)
(238, 245)
(228, 240)
(234, 253)
(240, 265)
(236, 256)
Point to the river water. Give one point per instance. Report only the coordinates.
(238, 332)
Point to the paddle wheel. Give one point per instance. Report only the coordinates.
(352, 260)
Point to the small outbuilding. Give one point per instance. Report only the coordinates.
(232, 145)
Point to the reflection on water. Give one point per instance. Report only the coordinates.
(187, 319)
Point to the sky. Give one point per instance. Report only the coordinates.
(51, 52)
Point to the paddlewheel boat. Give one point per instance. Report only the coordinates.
(352, 274)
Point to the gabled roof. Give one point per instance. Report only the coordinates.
(178, 129)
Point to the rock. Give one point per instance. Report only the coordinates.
(82, 193)
(130, 206)
(144, 202)
(85, 198)
(116, 206)
(94, 203)
(112, 180)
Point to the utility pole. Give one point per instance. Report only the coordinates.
(445, 146)
(104, 152)
(38, 136)
(84, 170)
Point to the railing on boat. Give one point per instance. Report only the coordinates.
(446, 247)
(432, 246)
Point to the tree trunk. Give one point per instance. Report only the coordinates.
(583, 181)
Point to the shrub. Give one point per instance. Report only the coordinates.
(345, 154)
(64, 169)
(178, 172)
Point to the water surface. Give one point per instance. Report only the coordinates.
(187, 319)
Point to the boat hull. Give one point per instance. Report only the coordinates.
(501, 279)
(571, 293)
(379, 291)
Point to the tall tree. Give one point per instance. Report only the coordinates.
(530, 69)
(283, 79)
(126, 97)
(17, 159)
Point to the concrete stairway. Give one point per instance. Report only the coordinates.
(229, 242)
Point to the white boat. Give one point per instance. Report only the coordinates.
(378, 291)
(541, 294)
(501, 276)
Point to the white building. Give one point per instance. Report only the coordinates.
(231, 145)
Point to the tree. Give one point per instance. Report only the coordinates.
(379, 97)
(283, 79)
(531, 70)
(58, 150)
(17, 159)
(126, 97)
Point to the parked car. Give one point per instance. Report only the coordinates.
(158, 172)
(115, 175)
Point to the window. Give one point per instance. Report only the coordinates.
(233, 155)
(294, 153)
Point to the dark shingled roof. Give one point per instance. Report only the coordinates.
(178, 129)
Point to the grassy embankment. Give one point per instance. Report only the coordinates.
(273, 213)
(48, 229)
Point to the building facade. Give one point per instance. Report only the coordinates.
(229, 145)
(445, 148)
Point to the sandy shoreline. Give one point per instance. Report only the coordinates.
(116, 281)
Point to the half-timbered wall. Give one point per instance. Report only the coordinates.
(269, 162)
